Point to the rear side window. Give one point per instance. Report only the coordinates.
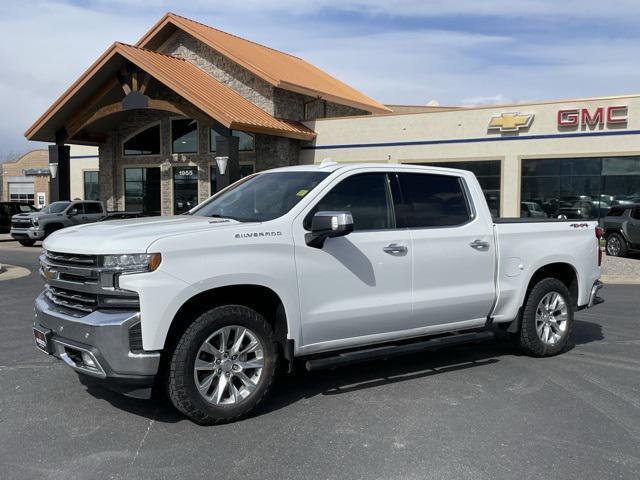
(615, 212)
(433, 200)
(367, 196)
(92, 208)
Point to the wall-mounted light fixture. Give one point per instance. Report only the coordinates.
(53, 169)
(221, 163)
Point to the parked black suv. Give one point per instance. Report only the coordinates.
(622, 229)
(8, 210)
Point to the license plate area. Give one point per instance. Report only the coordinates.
(42, 339)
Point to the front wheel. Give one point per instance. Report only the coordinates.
(27, 243)
(223, 366)
(547, 319)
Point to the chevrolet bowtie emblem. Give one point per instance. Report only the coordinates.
(510, 122)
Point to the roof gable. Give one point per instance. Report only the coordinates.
(275, 67)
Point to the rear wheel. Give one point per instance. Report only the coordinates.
(547, 319)
(616, 245)
(223, 366)
(27, 243)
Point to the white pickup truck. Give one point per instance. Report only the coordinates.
(332, 263)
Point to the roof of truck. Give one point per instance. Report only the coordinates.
(335, 166)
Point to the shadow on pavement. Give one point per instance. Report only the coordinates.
(301, 385)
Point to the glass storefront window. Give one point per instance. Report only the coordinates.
(146, 142)
(91, 186)
(184, 136)
(185, 189)
(246, 168)
(579, 188)
(142, 190)
(488, 174)
(246, 142)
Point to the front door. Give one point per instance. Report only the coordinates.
(185, 189)
(355, 286)
(453, 251)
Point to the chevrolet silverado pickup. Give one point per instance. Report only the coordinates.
(325, 264)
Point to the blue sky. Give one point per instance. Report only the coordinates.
(456, 52)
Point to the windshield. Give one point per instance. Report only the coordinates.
(55, 207)
(27, 208)
(261, 197)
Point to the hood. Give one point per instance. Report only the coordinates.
(30, 215)
(128, 236)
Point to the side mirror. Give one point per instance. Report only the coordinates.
(327, 225)
(72, 212)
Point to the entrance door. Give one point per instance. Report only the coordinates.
(358, 285)
(185, 189)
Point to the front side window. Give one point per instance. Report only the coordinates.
(433, 200)
(146, 142)
(246, 142)
(184, 136)
(367, 196)
(91, 186)
(262, 197)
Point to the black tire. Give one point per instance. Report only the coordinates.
(616, 245)
(528, 338)
(27, 243)
(181, 384)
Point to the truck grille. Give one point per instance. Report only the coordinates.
(72, 259)
(84, 302)
(20, 223)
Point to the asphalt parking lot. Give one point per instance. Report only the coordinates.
(473, 412)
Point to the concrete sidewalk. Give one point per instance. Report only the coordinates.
(5, 237)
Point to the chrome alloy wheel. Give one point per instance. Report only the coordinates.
(551, 318)
(229, 365)
(613, 246)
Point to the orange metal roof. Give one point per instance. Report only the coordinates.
(278, 68)
(191, 83)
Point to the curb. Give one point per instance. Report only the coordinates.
(12, 272)
(619, 280)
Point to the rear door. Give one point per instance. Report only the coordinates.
(633, 226)
(357, 288)
(92, 211)
(453, 251)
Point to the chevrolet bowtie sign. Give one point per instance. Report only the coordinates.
(510, 122)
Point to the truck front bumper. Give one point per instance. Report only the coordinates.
(27, 234)
(98, 346)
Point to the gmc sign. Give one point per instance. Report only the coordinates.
(597, 117)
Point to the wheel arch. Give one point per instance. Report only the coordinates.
(262, 299)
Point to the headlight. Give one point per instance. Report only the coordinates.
(34, 222)
(132, 262)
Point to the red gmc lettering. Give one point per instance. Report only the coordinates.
(573, 117)
(596, 119)
(568, 118)
(617, 114)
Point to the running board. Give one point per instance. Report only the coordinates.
(388, 351)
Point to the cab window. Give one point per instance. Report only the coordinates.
(367, 196)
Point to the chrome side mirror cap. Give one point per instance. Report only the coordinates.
(328, 225)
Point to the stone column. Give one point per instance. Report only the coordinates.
(60, 186)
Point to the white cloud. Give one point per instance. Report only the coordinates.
(50, 43)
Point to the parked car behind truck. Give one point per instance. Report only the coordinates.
(330, 264)
(622, 230)
(29, 227)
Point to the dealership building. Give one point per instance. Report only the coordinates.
(190, 108)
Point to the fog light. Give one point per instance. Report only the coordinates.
(88, 361)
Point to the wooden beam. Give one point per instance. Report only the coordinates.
(123, 77)
(79, 118)
(144, 83)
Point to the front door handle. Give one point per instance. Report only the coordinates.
(479, 244)
(395, 249)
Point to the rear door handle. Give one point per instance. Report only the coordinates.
(395, 249)
(479, 244)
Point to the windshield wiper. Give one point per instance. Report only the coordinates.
(217, 215)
